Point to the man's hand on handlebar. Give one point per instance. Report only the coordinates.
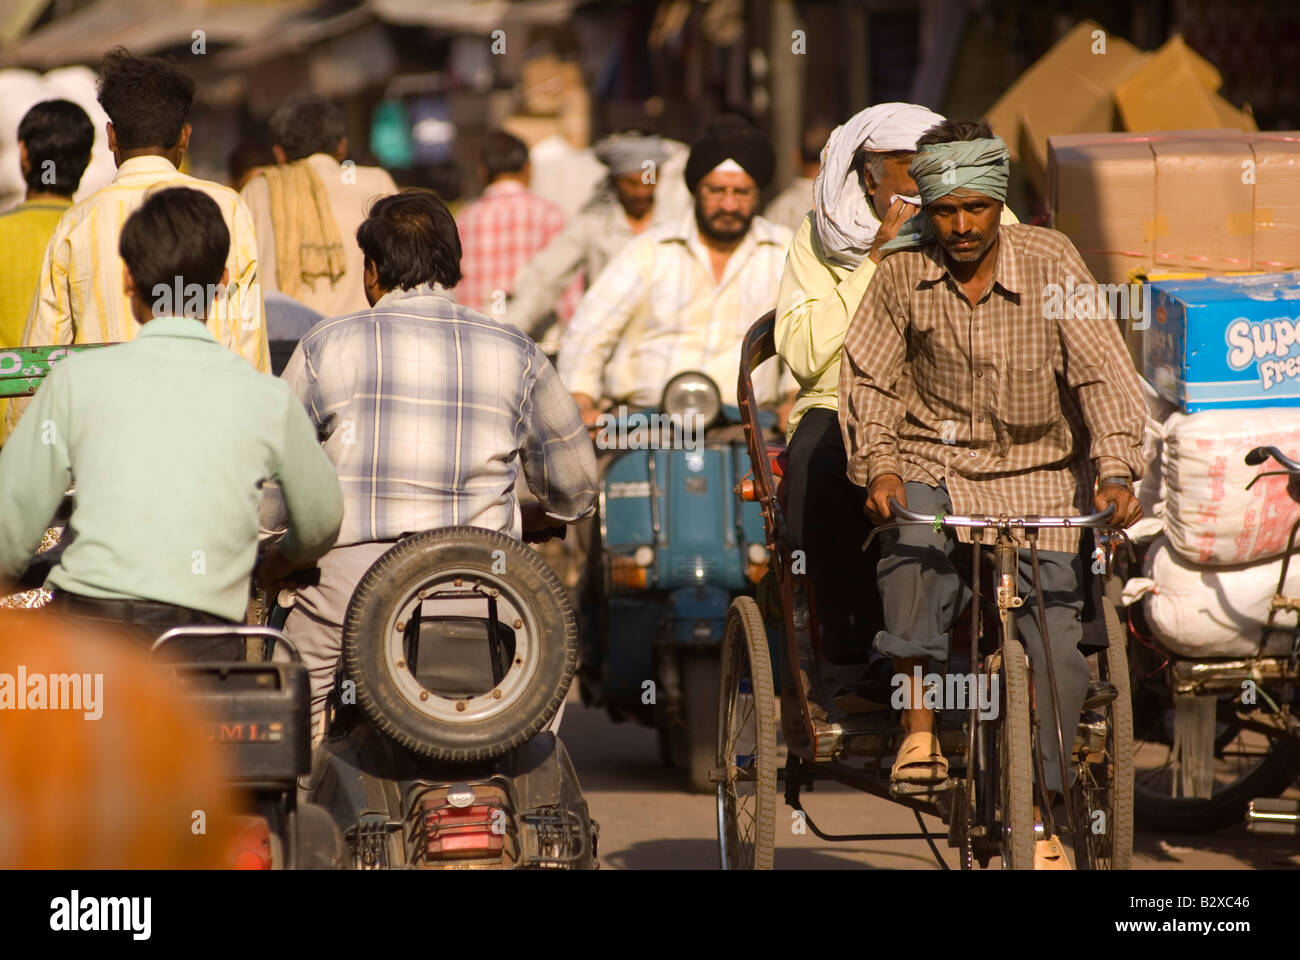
(587, 408)
(537, 524)
(273, 569)
(883, 488)
(1127, 509)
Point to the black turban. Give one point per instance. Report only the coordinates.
(731, 137)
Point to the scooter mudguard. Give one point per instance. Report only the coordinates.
(697, 616)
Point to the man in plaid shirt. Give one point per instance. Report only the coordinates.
(504, 228)
(429, 411)
(962, 390)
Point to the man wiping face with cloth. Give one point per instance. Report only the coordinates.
(960, 394)
(862, 196)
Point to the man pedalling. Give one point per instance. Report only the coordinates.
(962, 391)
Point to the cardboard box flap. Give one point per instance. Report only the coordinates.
(1067, 89)
(1175, 90)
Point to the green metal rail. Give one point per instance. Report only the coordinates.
(23, 368)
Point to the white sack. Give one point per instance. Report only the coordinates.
(1209, 515)
(1211, 611)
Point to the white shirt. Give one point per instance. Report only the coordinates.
(656, 311)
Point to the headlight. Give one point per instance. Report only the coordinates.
(644, 556)
(757, 553)
(693, 398)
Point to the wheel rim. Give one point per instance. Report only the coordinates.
(738, 792)
(1238, 753)
(511, 610)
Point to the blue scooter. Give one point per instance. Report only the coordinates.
(677, 542)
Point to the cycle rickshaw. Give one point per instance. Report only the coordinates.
(995, 771)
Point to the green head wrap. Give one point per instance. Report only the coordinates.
(981, 166)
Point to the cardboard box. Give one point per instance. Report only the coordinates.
(1277, 200)
(1203, 200)
(1102, 194)
(1204, 213)
(1226, 342)
(1175, 90)
(1068, 90)
(1077, 88)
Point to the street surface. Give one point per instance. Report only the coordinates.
(648, 821)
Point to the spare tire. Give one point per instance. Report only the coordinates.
(459, 565)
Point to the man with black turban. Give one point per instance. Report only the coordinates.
(682, 295)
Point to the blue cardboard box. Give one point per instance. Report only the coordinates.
(1226, 342)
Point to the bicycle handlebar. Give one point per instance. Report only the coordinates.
(1260, 454)
(903, 516)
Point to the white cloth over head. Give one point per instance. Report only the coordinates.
(845, 222)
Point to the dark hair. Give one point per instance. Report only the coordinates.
(411, 239)
(950, 130)
(57, 133)
(307, 124)
(146, 98)
(503, 153)
(175, 239)
(247, 155)
(814, 139)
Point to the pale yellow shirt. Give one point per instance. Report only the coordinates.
(80, 297)
(816, 301)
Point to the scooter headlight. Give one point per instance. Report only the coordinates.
(693, 398)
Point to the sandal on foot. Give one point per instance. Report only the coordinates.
(1050, 855)
(919, 760)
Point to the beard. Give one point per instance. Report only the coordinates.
(722, 227)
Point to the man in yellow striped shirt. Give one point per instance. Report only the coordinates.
(80, 297)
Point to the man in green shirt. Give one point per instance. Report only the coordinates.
(167, 439)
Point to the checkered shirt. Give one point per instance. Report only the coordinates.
(428, 411)
(499, 233)
(1013, 410)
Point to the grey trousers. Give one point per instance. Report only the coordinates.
(315, 623)
(923, 593)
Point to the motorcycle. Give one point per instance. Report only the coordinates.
(675, 544)
(459, 646)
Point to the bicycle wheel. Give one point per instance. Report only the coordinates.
(1104, 788)
(1015, 757)
(746, 743)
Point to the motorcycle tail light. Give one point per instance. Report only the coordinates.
(250, 846)
(625, 572)
(482, 831)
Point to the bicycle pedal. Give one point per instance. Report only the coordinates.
(901, 789)
(1100, 693)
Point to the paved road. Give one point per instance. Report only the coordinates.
(648, 822)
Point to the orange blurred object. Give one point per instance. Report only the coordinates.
(103, 762)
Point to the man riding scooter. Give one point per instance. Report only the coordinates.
(962, 392)
(168, 440)
(429, 410)
(682, 295)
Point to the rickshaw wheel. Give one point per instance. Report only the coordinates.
(746, 752)
(1107, 787)
(1014, 758)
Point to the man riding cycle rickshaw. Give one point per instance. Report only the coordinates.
(962, 391)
